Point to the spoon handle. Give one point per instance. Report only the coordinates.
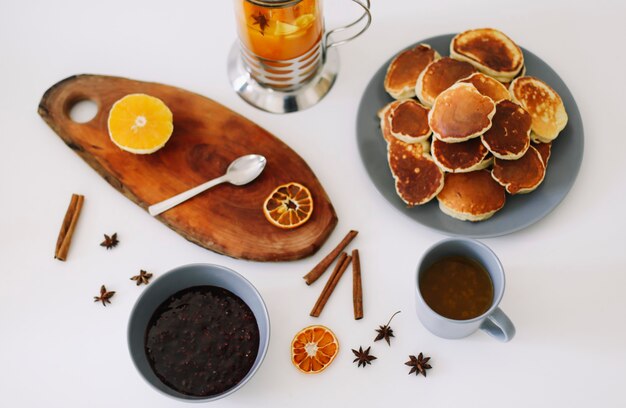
(165, 205)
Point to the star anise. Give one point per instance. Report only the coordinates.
(143, 277)
(262, 21)
(110, 241)
(385, 332)
(418, 365)
(104, 296)
(363, 356)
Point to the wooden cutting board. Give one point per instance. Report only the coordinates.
(207, 137)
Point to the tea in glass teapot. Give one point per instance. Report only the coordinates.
(284, 60)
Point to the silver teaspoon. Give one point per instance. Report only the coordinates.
(241, 171)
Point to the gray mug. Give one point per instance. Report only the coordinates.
(493, 321)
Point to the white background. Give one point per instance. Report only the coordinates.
(566, 282)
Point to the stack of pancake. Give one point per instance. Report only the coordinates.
(468, 128)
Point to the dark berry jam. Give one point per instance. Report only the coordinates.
(202, 341)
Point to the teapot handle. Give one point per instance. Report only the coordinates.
(367, 15)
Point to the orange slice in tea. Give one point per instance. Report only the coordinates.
(289, 206)
(140, 123)
(304, 20)
(313, 349)
(285, 28)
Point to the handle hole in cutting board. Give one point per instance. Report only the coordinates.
(82, 111)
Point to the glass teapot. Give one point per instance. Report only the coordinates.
(284, 60)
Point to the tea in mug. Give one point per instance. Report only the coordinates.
(457, 287)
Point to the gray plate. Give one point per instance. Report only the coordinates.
(519, 211)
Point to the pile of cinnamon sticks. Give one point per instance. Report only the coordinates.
(340, 267)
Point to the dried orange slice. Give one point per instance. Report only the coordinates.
(313, 349)
(289, 206)
(140, 123)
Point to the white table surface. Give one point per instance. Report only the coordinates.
(566, 282)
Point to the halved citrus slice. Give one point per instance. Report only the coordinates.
(289, 206)
(285, 28)
(313, 349)
(304, 20)
(140, 123)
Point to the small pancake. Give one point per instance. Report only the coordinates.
(488, 86)
(382, 111)
(522, 175)
(460, 157)
(509, 136)
(385, 127)
(409, 121)
(489, 50)
(418, 179)
(545, 150)
(439, 76)
(473, 196)
(461, 113)
(544, 105)
(404, 69)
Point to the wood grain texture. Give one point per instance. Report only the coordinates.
(207, 137)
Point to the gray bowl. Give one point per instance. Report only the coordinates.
(176, 280)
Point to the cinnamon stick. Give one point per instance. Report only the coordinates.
(340, 267)
(357, 288)
(321, 267)
(67, 228)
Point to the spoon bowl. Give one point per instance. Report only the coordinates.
(245, 169)
(241, 171)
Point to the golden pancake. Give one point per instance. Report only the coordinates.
(385, 122)
(522, 175)
(460, 157)
(545, 150)
(439, 76)
(489, 50)
(409, 121)
(382, 111)
(509, 135)
(488, 86)
(385, 127)
(544, 105)
(461, 113)
(405, 68)
(418, 179)
(473, 196)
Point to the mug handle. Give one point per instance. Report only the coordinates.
(499, 326)
(366, 15)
